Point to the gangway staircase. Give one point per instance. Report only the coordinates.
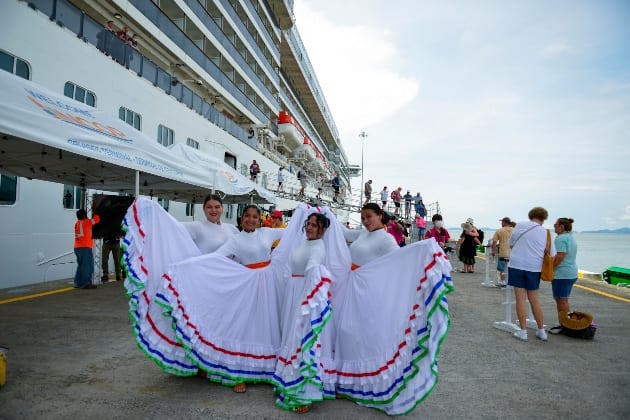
(431, 208)
(319, 201)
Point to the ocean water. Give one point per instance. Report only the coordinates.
(596, 251)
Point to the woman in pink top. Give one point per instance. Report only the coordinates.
(394, 229)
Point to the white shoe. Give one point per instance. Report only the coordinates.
(541, 334)
(521, 335)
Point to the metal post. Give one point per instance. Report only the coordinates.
(363, 136)
(137, 184)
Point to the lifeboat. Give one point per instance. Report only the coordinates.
(290, 130)
(305, 151)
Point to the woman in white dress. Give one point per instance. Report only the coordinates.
(153, 241)
(210, 234)
(390, 318)
(303, 320)
(251, 249)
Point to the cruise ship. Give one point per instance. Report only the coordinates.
(229, 78)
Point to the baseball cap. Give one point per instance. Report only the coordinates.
(277, 213)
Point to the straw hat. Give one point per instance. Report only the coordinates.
(467, 227)
(575, 320)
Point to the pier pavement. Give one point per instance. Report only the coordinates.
(72, 356)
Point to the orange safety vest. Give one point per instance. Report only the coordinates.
(83, 232)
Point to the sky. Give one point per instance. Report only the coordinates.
(488, 107)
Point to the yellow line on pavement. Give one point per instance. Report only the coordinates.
(35, 295)
(603, 293)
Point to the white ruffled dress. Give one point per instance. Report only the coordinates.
(306, 316)
(390, 319)
(153, 241)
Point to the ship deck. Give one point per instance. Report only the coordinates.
(72, 355)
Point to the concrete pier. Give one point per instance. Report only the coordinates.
(72, 355)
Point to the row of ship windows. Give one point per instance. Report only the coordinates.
(19, 67)
(89, 30)
(72, 197)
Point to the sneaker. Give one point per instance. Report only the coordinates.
(555, 330)
(521, 335)
(541, 334)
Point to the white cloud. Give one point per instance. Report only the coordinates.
(356, 66)
(626, 214)
(587, 188)
(556, 48)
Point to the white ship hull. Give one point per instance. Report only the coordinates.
(36, 237)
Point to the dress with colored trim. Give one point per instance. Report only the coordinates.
(229, 316)
(306, 316)
(154, 240)
(390, 319)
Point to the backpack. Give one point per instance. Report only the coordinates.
(480, 232)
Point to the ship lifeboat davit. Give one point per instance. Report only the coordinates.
(290, 130)
(305, 151)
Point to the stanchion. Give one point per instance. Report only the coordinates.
(507, 324)
(487, 282)
(509, 305)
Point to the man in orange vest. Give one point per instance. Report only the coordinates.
(83, 244)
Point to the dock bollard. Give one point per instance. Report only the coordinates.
(3, 366)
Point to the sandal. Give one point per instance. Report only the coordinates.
(302, 409)
(240, 388)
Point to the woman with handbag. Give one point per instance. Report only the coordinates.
(565, 267)
(529, 243)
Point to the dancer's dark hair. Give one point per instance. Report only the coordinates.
(213, 197)
(378, 210)
(322, 221)
(252, 206)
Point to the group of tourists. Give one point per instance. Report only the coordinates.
(315, 318)
(396, 196)
(520, 248)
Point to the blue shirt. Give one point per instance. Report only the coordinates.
(568, 268)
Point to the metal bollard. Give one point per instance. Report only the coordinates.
(3, 366)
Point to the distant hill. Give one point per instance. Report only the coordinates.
(625, 230)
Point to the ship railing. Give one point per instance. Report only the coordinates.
(212, 26)
(273, 49)
(55, 263)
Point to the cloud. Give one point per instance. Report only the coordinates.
(357, 68)
(626, 214)
(587, 188)
(557, 48)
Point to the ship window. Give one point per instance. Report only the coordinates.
(71, 197)
(8, 190)
(192, 143)
(79, 93)
(190, 209)
(230, 160)
(132, 118)
(164, 202)
(165, 135)
(229, 211)
(12, 64)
